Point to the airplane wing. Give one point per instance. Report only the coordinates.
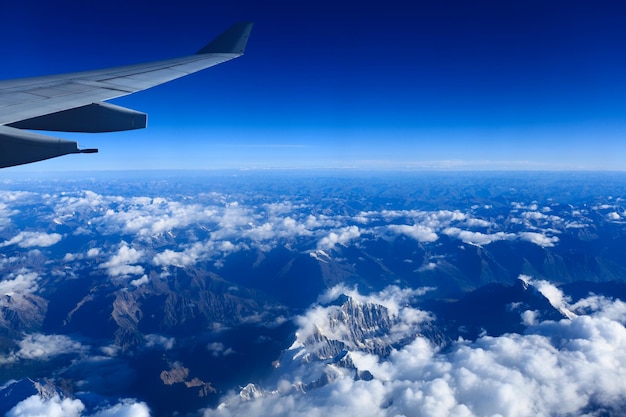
(74, 102)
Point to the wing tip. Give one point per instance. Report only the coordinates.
(233, 40)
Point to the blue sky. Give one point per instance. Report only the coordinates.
(390, 85)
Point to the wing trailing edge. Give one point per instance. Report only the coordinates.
(93, 118)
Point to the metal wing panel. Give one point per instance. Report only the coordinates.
(42, 95)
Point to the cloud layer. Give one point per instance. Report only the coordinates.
(134, 241)
(570, 367)
(66, 407)
(131, 236)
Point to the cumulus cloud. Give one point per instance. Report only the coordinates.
(554, 295)
(33, 239)
(433, 219)
(340, 237)
(427, 225)
(593, 305)
(13, 196)
(121, 263)
(476, 238)
(538, 239)
(21, 282)
(472, 222)
(5, 215)
(140, 281)
(69, 257)
(534, 215)
(159, 341)
(125, 408)
(568, 367)
(613, 216)
(190, 255)
(277, 228)
(51, 407)
(43, 347)
(147, 217)
(144, 217)
(227, 226)
(600, 306)
(56, 406)
(417, 232)
(91, 253)
(218, 349)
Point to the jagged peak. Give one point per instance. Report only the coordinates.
(523, 281)
(341, 300)
(251, 392)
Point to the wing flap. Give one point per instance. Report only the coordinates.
(93, 118)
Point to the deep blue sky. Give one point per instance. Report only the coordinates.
(390, 85)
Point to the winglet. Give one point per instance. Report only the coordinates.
(232, 41)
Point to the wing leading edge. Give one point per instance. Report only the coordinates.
(74, 102)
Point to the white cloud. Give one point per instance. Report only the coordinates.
(534, 215)
(91, 253)
(600, 306)
(593, 305)
(277, 228)
(144, 217)
(33, 239)
(191, 255)
(427, 267)
(121, 264)
(432, 219)
(125, 408)
(613, 216)
(66, 407)
(49, 407)
(446, 216)
(569, 367)
(218, 349)
(69, 257)
(476, 238)
(554, 295)
(5, 215)
(341, 237)
(43, 347)
(21, 282)
(157, 340)
(417, 232)
(234, 216)
(539, 239)
(140, 281)
(575, 225)
(472, 222)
